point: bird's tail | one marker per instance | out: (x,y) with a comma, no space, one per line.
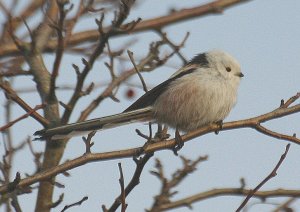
(70,130)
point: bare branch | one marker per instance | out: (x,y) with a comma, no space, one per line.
(167,185)
(75,204)
(57,202)
(130,54)
(151,61)
(271,175)
(175,48)
(60,47)
(123,195)
(88,142)
(285,205)
(21,117)
(104,36)
(15,203)
(188,201)
(153,147)
(214,7)
(290,101)
(135,180)
(10,93)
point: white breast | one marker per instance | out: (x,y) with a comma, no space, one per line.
(195,100)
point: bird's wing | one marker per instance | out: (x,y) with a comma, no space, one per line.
(150,97)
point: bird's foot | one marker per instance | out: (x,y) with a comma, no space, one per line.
(220,125)
(179,142)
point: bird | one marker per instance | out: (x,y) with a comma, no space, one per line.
(202,92)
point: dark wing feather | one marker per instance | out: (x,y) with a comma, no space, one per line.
(150,97)
(200,59)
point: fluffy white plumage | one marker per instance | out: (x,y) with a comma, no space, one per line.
(204,96)
(202,92)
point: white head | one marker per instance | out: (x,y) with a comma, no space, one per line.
(226,65)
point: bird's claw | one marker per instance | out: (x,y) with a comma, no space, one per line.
(220,125)
(179,142)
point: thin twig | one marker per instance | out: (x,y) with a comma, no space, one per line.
(59,50)
(156,23)
(271,175)
(104,36)
(221,192)
(167,185)
(151,148)
(21,117)
(88,141)
(290,101)
(75,204)
(285,205)
(135,180)
(130,54)
(150,60)
(123,195)
(15,203)
(176,48)
(57,202)
(13,95)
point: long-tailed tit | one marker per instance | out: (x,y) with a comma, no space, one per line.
(200,93)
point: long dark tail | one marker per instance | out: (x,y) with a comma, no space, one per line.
(70,130)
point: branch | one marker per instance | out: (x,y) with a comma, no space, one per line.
(175,48)
(21,117)
(285,206)
(135,180)
(10,93)
(43,32)
(123,195)
(215,7)
(103,38)
(88,141)
(167,185)
(60,47)
(15,203)
(187,202)
(75,204)
(163,145)
(271,175)
(130,54)
(29,10)
(151,61)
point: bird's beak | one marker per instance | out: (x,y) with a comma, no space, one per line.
(240,74)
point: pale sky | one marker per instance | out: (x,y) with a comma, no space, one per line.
(264,37)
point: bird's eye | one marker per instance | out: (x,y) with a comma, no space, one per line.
(228,69)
